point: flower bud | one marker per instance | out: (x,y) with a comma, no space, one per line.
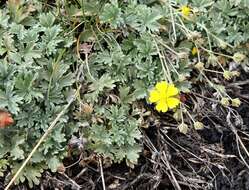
(227,75)
(177,115)
(235,73)
(182,55)
(238,57)
(181,77)
(193,35)
(236,102)
(198,125)
(225,101)
(199,66)
(212,60)
(183,128)
(222,44)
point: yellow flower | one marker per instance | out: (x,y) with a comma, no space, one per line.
(165,96)
(185,10)
(194,51)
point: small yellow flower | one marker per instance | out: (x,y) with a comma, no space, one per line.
(194,51)
(185,10)
(165,96)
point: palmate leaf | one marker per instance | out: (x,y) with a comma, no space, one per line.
(4,18)
(148,18)
(6,73)
(91,7)
(56,71)
(146,45)
(141,89)
(25,86)
(18,30)
(99,135)
(132,155)
(35,77)
(132,132)
(98,86)
(10,100)
(53,163)
(30,53)
(112,14)
(51,40)
(31,173)
(201,3)
(47,19)
(125,96)
(119,140)
(5,146)
(142,18)
(8,43)
(16,151)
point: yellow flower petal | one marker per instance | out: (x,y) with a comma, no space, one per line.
(194,51)
(162,86)
(172,90)
(162,106)
(154,96)
(185,10)
(172,102)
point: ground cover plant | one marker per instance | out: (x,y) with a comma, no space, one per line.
(154,87)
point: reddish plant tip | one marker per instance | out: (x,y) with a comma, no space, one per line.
(5,119)
(183,98)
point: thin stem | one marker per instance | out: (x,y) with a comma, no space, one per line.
(102,173)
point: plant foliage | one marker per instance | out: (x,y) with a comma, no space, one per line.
(120,50)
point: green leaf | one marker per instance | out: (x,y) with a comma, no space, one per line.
(140,90)
(125,96)
(51,39)
(16,151)
(98,86)
(100,135)
(10,100)
(53,163)
(146,45)
(31,172)
(3,166)
(112,14)
(47,19)
(143,18)
(25,86)
(4,18)
(132,154)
